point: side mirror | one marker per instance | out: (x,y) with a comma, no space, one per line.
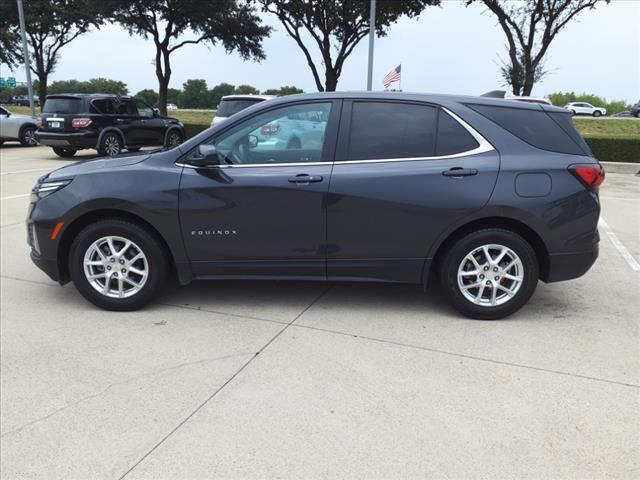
(206,156)
(156,112)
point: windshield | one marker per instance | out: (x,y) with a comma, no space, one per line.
(229,107)
(62,105)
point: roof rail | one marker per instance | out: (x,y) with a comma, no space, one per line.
(494,94)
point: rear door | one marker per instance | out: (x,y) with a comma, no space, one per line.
(403,173)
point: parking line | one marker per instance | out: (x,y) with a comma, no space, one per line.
(626,199)
(15,196)
(633,263)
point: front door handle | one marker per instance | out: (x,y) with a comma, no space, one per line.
(303,178)
(458,172)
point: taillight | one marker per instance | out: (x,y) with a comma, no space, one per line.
(270,129)
(591,175)
(80,122)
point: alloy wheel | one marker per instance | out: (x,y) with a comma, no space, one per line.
(174,139)
(116,267)
(490,275)
(112,145)
(30,137)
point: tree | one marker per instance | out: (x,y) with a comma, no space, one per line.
(530,26)
(149,96)
(337,26)
(246,90)
(10,46)
(50,25)
(283,91)
(194,94)
(228,22)
(95,85)
(172,96)
(220,91)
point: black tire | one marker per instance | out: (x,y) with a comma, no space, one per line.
(111,144)
(457,252)
(573,112)
(133,149)
(27,136)
(597,113)
(64,152)
(145,240)
(174,138)
(637,115)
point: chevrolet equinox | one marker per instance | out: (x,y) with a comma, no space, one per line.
(487,195)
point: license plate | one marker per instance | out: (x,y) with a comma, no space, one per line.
(54,124)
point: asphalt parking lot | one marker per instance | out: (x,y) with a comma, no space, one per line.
(246,380)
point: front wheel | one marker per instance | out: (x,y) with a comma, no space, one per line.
(64,152)
(174,139)
(597,113)
(489,274)
(117,264)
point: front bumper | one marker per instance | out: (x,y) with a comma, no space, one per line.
(63,139)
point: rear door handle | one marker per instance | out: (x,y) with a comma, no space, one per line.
(303,178)
(460,172)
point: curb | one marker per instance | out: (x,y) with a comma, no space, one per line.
(621,167)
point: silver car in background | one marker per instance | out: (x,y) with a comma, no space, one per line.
(14,127)
(231,104)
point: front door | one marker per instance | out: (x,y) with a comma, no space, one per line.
(403,173)
(152,127)
(261,211)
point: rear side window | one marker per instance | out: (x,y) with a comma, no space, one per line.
(104,105)
(391,130)
(532,126)
(62,105)
(452,137)
(229,107)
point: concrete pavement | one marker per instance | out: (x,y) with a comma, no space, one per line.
(275,379)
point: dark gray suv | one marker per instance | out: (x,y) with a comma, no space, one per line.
(486,195)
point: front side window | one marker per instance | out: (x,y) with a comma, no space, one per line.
(144,110)
(286,135)
(3,111)
(381,130)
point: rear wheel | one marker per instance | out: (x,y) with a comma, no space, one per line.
(111,144)
(28,136)
(118,265)
(489,274)
(64,152)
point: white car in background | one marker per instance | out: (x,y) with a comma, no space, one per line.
(230,104)
(172,106)
(14,127)
(583,108)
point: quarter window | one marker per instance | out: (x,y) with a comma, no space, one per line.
(382,130)
(452,137)
(286,135)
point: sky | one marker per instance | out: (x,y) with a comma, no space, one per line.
(449,49)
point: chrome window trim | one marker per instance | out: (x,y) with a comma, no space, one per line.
(483,146)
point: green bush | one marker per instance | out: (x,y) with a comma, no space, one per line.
(614,149)
(192,129)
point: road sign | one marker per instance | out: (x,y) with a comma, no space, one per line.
(11,82)
(2,84)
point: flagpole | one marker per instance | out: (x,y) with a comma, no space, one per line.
(400,76)
(372,33)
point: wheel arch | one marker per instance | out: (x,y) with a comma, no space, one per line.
(25,125)
(517,226)
(107,130)
(170,129)
(79,223)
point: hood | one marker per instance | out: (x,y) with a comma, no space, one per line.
(98,164)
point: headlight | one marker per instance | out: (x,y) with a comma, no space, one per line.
(47,187)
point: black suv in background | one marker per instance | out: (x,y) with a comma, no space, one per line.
(108,123)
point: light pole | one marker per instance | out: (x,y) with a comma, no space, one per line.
(372,34)
(25,52)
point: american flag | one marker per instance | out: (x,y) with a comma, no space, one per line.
(391,77)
